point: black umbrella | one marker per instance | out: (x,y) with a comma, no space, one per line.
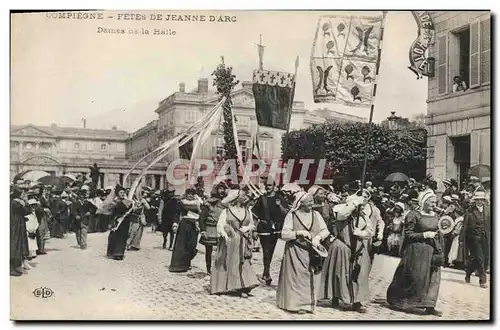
(50,180)
(480,171)
(397,177)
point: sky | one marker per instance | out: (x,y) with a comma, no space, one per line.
(63,70)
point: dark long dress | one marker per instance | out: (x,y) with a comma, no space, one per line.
(18,235)
(117,240)
(417,279)
(185,250)
(170,212)
(186,238)
(60,215)
(339,278)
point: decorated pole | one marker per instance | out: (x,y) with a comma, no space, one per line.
(225,81)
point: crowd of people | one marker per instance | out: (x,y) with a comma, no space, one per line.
(331,237)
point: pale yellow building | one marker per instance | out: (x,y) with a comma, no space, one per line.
(459,121)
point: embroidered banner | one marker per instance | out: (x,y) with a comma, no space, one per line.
(344,58)
(419,61)
(273,92)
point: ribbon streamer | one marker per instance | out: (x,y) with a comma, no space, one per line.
(201,139)
(179,142)
(179,136)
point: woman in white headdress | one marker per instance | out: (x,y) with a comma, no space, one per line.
(346,270)
(417,279)
(232,271)
(299,273)
(31,228)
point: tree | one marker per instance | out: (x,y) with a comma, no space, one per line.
(224,81)
(343,146)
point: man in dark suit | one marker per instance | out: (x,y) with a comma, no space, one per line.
(475,236)
(270,210)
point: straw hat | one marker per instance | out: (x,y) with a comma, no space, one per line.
(479,195)
(474,179)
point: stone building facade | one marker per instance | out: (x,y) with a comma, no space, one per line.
(67,150)
(459,122)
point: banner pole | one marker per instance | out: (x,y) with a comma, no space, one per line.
(285,143)
(372,107)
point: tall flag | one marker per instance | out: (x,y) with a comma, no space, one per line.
(344,58)
(273,93)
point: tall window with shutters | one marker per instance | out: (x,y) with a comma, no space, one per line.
(485,47)
(442,67)
(480,53)
(471,45)
(474,55)
(264,149)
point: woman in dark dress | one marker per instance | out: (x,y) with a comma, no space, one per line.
(19,250)
(417,279)
(210,212)
(169,213)
(186,238)
(117,239)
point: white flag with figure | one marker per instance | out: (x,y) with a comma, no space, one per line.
(344,58)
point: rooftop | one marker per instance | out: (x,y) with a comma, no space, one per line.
(69,132)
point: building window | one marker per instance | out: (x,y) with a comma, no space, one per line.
(218,147)
(472,46)
(264,149)
(462,149)
(190,116)
(103,146)
(245,148)
(77,145)
(464,55)
(243,120)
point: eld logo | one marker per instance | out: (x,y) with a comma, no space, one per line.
(43,293)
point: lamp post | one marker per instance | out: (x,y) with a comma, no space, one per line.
(393,121)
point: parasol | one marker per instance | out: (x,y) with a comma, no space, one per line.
(19,176)
(34,175)
(480,171)
(397,177)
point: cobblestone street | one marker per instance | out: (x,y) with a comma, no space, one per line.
(88,286)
